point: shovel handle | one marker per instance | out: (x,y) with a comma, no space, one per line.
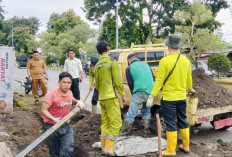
(159,133)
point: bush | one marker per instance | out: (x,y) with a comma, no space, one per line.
(219,62)
(50,59)
(62,59)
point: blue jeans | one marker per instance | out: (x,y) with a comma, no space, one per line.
(61,142)
(75,88)
(137,99)
(174,111)
(94,97)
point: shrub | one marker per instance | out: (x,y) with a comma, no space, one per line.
(219,62)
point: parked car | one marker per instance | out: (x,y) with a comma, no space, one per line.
(22,61)
(205,67)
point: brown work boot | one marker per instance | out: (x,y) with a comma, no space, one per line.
(126,127)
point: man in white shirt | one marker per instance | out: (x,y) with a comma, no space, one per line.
(74,67)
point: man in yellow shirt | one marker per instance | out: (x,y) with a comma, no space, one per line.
(174,86)
(107,82)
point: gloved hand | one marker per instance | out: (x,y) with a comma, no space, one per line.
(191,91)
(150,100)
(56,120)
(80,104)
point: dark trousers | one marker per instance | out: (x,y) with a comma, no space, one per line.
(174,112)
(95,97)
(75,88)
(61,142)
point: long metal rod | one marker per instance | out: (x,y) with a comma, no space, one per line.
(117,25)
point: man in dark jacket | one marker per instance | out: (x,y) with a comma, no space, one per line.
(140,80)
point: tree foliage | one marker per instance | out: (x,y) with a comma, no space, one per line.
(198,40)
(65,31)
(133,13)
(219,62)
(60,23)
(24,30)
(2,11)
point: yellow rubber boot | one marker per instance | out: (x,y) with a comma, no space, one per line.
(171,144)
(103,146)
(109,147)
(185,139)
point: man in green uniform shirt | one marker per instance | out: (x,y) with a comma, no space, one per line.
(107,81)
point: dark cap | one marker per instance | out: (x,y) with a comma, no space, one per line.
(94,60)
(132,55)
(173,41)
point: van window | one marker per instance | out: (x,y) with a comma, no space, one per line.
(141,56)
(114,56)
(154,56)
(152,64)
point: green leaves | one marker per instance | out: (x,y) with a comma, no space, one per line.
(219,62)
(197,39)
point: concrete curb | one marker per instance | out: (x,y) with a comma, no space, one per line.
(54,69)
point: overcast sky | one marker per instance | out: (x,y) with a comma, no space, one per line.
(44,8)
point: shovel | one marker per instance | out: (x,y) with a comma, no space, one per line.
(50,131)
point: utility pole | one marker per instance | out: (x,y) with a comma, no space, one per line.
(117,25)
(12,37)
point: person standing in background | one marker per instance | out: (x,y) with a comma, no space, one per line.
(35,68)
(73,66)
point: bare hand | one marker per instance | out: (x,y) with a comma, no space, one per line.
(91,87)
(80,79)
(124,99)
(30,78)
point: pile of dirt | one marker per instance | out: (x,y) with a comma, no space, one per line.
(209,93)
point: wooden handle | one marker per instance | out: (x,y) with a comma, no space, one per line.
(159,133)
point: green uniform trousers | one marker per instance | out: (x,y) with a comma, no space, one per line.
(111,121)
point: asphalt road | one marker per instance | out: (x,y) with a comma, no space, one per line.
(206,135)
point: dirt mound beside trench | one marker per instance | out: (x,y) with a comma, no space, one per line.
(209,93)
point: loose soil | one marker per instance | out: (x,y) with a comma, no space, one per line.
(26,125)
(209,93)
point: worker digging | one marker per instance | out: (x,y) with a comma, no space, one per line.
(74,131)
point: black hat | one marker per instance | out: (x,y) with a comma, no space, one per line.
(132,55)
(173,41)
(94,60)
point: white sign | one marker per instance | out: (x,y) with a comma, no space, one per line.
(7,56)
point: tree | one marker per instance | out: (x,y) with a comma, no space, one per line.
(2,11)
(90,49)
(159,12)
(219,62)
(81,32)
(198,40)
(108,32)
(60,23)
